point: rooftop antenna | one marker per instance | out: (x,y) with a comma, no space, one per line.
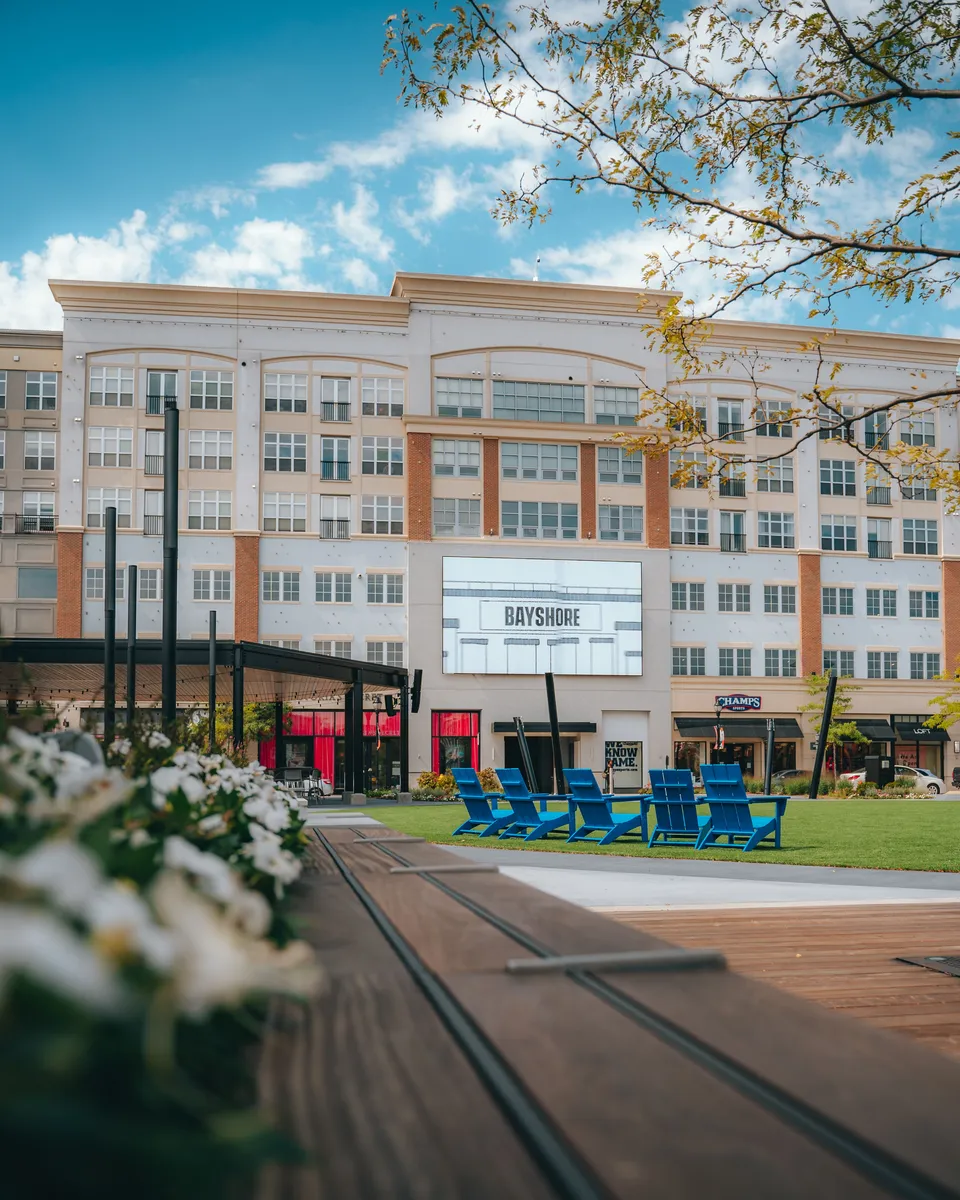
(536,270)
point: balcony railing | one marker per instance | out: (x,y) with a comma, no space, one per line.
(334,529)
(879,441)
(880,549)
(153,464)
(155,405)
(878,495)
(733,487)
(334,411)
(733,543)
(730,430)
(334,470)
(153,526)
(20,523)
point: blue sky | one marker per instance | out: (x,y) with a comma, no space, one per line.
(258,145)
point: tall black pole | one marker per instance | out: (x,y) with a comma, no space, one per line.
(212,682)
(768,771)
(559,782)
(359,782)
(132,584)
(171,473)
(525,756)
(110,626)
(824,730)
(348,755)
(279,745)
(404,738)
(238,697)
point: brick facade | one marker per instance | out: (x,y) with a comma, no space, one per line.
(491,488)
(246,618)
(658,501)
(951,615)
(809,600)
(69,584)
(419,487)
(588,490)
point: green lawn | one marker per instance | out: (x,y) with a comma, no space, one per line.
(916,835)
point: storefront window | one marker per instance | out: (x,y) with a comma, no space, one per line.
(687,756)
(784,756)
(455,738)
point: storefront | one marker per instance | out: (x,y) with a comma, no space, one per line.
(454,740)
(917,745)
(744,743)
(315,742)
(850,756)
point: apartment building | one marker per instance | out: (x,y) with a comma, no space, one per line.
(430,479)
(30,370)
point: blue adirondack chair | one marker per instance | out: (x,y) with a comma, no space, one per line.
(530,819)
(596,811)
(477,801)
(730,815)
(675,806)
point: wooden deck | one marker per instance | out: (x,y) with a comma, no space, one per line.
(842,958)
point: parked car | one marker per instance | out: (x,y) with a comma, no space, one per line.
(956,778)
(790,773)
(920,777)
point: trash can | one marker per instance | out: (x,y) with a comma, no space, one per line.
(879,769)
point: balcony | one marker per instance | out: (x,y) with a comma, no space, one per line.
(334,470)
(156,405)
(877,441)
(733,543)
(153,464)
(334,530)
(731,431)
(880,549)
(331,410)
(733,487)
(29,523)
(878,495)
(153,526)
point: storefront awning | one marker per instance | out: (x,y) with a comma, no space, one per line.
(919,733)
(875,729)
(544,727)
(747,728)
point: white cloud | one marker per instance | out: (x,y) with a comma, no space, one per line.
(291,174)
(356,225)
(263,250)
(359,275)
(125,253)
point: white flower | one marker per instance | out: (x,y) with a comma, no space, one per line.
(275,816)
(121,746)
(168,779)
(157,740)
(64,871)
(140,837)
(269,856)
(212,825)
(214,875)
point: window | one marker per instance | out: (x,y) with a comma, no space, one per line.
(285,452)
(733,597)
(688,414)
(381,397)
(889,602)
(41,392)
(688,469)
(280,586)
(733,478)
(3,448)
(526,460)
(37,583)
(212,585)
(835,422)
(840,661)
(743,662)
(535,519)
(838,477)
(780,662)
(919,536)
(38,512)
(153,514)
(775,475)
(616,465)
(879,537)
(211,389)
(687,596)
(734,662)
(334,587)
(621,523)
(151,583)
(384,589)
(39,451)
(770,422)
(458,397)
(284,393)
(779,598)
(381,514)
(517,401)
(918,429)
(161,387)
(94,583)
(100,499)
(456,458)
(689,527)
(882,664)
(775,530)
(616,405)
(875,430)
(334,648)
(925,604)
(335,457)
(389,654)
(210,449)
(916,487)
(109,447)
(209,510)
(730,419)
(382,456)
(335,399)
(689,660)
(924,666)
(456,518)
(335,517)
(282,643)
(837,602)
(3,389)
(111,387)
(838,533)
(284,512)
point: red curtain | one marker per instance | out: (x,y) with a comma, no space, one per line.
(455,724)
(324,727)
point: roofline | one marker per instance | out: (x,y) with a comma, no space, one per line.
(32,339)
(528,294)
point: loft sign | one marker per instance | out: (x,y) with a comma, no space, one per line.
(739,703)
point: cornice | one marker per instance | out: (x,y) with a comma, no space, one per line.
(838,344)
(527,295)
(235,304)
(31,339)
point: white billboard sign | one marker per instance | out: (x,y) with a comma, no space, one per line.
(510,616)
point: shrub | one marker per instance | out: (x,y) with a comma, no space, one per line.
(754,786)
(864,789)
(843,787)
(427,793)
(433,782)
(799,785)
(382,794)
(427,779)
(490,780)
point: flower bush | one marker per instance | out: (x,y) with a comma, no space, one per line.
(143,926)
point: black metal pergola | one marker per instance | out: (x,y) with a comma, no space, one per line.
(54,671)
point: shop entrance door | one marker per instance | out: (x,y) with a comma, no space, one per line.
(736,752)
(541,751)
